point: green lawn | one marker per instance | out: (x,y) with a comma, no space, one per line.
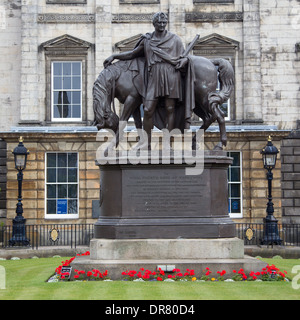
(26,279)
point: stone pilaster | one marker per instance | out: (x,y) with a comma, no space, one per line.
(103,32)
(29,102)
(252,62)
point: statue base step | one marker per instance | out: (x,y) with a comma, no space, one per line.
(117,256)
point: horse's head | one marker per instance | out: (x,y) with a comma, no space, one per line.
(104,117)
(109,121)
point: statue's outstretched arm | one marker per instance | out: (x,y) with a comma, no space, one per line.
(128,55)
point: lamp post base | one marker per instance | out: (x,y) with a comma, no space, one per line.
(19,232)
(271,234)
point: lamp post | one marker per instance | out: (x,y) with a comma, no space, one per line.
(271,235)
(19,234)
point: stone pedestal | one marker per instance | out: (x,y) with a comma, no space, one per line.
(156,215)
(154,201)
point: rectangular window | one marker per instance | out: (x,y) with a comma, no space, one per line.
(62,185)
(66,91)
(235,185)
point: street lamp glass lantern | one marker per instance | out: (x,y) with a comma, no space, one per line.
(269,154)
(20,154)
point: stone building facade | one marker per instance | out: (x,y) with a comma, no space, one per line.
(46,42)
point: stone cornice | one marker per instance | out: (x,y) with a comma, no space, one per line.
(66,2)
(140,18)
(139,1)
(213,16)
(65,18)
(90,134)
(127,17)
(213,1)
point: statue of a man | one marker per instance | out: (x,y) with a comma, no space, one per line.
(163,52)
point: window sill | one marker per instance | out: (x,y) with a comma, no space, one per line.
(61,216)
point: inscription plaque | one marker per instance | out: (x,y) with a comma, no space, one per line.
(160,193)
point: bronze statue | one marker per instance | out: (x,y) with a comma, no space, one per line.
(170,84)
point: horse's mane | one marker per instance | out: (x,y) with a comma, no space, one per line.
(108,76)
(102,90)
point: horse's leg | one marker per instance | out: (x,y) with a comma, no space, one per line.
(137,118)
(131,105)
(221,121)
(223,135)
(206,123)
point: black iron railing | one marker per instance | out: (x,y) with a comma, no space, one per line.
(72,235)
(255,234)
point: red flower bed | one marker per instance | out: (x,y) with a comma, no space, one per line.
(270,273)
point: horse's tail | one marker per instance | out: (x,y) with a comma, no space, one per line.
(226,78)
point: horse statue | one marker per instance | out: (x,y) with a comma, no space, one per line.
(122,80)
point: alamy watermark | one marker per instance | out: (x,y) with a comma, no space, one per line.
(2,278)
(296,278)
(167,147)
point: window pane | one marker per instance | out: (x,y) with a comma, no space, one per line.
(235,174)
(51,191)
(72,207)
(235,206)
(57,111)
(51,160)
(62,191)
(236,159)
(235,190)
(51,206)
(57,83)
(76,111)
(76,97)
(65,98)
(72,175)
(51,175)
(72,191)
(62,175)
(67,83)
(76,83)
(56,97)
(67,111)
(72,160)
(62,159)
(67,68)
(76,68)
(57,68)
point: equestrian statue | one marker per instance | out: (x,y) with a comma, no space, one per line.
(170,84)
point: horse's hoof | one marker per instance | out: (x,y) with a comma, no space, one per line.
(219,146)
(224,143)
